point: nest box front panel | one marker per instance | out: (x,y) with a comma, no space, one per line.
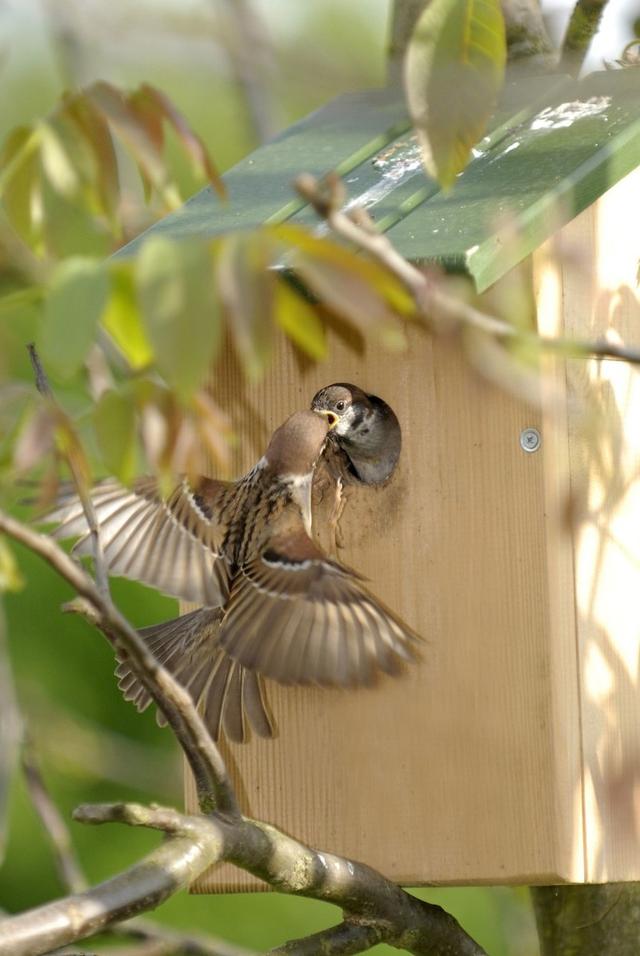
(442,774)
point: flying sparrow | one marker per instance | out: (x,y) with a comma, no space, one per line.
(367,433)
(274,604)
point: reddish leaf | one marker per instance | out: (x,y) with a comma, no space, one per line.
(150,116)
(155,103)
(134,133)
(36,439)
(92,126)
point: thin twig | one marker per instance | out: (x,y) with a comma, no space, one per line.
(75,460)
(341,940)
(212,780)
(252,60)
(434,306)
(67,864)
(170,941)
(11,730)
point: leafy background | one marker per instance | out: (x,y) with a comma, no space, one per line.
(93,745)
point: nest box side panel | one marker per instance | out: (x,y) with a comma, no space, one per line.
(598,258)
(448,774)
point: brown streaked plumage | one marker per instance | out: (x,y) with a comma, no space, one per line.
(274,604)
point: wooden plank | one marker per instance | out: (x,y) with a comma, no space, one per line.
(599,280)
(565,736)
(450,774)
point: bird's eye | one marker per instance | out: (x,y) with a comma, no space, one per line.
(340,406)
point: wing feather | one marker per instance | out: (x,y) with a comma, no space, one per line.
(174,545)
(296,616)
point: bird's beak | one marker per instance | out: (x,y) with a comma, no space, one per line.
(331,417)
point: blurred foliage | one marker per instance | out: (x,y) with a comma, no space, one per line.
(75,172)
(454,73)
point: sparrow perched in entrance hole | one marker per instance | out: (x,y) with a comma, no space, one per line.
(274,604)
(367,432)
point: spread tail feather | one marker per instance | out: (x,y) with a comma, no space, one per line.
(227,695)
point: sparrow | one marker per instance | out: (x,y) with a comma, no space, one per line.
(366,437)
(274,605)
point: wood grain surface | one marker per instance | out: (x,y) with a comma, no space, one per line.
(511,752)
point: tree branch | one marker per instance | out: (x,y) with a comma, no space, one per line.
(342,940)
(435,307)
(581,29)
(366,897)
(252,59)
(376,910)
(212,780)
(193,845)
(67,864)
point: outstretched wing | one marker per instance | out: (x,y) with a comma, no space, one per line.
(172,545)
(298,617)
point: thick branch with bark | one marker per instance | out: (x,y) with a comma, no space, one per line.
(376,910)
(590,920)
(191,848)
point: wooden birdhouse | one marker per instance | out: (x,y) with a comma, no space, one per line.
(509,535)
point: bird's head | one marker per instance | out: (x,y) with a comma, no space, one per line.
(347,403)
(296,445)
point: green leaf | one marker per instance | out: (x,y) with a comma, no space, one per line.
(114,419)
(58,158)
(122,319)
(77,296)
(454,71)
(354,288)
(10,577)
(300,321)
(179,308)
(68,227)
(246,288)
(19,169)
(340,258)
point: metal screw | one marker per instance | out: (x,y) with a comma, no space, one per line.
(530,439)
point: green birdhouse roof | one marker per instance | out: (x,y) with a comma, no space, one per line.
(553,147)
